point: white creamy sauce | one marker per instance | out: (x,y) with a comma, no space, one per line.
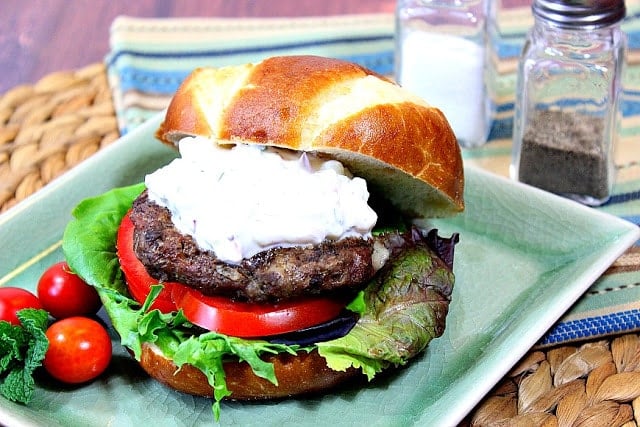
(242,200)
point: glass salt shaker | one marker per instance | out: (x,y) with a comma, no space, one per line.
(440,56)
(567,114)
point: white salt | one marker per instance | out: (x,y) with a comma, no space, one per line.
(448,72)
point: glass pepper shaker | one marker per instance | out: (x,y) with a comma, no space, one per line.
(567,113)
(440,56)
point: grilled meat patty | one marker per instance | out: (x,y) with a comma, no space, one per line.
(272,275)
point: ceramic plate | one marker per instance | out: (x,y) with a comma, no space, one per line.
(524,257)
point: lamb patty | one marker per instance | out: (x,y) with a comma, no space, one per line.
(272,275)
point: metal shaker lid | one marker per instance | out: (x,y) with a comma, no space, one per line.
(580,13)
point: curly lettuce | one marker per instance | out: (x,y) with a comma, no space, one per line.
(405,308)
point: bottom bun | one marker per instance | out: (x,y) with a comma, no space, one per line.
(301,374)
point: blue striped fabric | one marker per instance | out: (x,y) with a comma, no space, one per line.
(249,49)
(149,58)
(610,324)
(166,82)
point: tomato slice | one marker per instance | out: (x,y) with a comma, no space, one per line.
(220,314)
(250,320)
(138,280)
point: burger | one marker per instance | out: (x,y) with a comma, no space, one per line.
(284,251)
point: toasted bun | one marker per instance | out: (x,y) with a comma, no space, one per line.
(301,374)
(402,146)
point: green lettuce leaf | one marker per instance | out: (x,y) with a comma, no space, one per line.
(405,308)
(172,334)
(89,241)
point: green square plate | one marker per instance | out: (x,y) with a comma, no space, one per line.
(524,257)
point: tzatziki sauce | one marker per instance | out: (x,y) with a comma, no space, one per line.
(243,199)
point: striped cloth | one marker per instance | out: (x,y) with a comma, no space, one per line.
(150,57)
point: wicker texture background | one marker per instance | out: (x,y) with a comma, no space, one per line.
(592,384)
(48,127)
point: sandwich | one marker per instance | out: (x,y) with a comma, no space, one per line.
(285,251)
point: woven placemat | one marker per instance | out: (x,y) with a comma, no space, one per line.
(48,127)
(592,384)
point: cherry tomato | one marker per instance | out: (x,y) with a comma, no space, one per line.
(136,276)
(248,320)
(14,299)
(64,294)
(79,350)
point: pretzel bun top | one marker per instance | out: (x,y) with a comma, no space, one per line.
(402,146)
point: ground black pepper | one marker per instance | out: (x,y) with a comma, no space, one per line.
(563,152)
